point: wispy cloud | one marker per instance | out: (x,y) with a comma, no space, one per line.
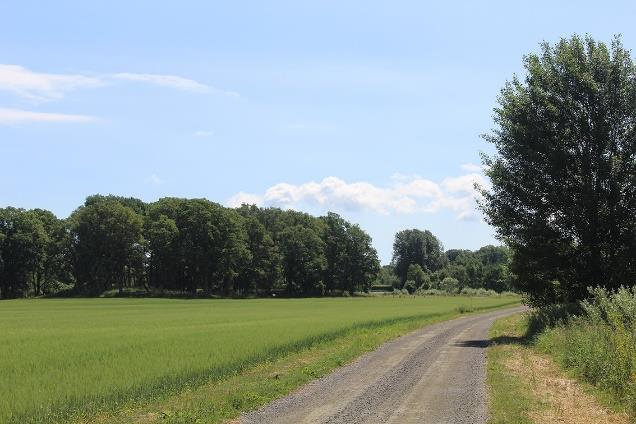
(404,195)
(154,179)
(18,116)
(203,133)
(41,87)
(172,81)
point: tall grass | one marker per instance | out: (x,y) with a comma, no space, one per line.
(63,358)
(597,340)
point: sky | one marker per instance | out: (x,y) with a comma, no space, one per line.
(371,109)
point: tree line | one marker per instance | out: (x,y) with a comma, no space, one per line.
(420,263)
(198,247)
(181,245)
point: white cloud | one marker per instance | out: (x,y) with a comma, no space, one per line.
(202,133)
(241,198)
(17,116)
(464,183)
(154,179)
(41,87)
(404,195)
(172,81)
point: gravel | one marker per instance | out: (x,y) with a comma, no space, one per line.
(433,375)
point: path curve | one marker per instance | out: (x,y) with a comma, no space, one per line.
(436,374)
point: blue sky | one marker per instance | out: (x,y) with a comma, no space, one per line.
(370,109)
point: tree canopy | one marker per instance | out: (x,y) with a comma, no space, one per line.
(181,245)
(563,194)
(417,247)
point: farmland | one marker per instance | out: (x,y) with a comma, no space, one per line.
(69,357)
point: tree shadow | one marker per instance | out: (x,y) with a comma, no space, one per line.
(481,343)
(511,340)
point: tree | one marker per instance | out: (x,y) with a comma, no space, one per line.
(416,274)
(52,264)
(450,285)
(106,240)
(197,243)
(563,193)
(417,247)
(264,270)
(386,277)
(303,260)
(162,233)
(24,242)
(362,260)
(336,251)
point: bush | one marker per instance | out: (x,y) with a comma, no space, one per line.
(410,286)
(418,276)
(463,309)
(596,339)
(467,291)
(450,285)
(431,292)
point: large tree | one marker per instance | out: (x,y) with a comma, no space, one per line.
(195,244)
(303,260)
(563,193)
(107,241)
(24,243)
(417,247)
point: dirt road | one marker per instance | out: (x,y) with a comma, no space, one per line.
(433,375)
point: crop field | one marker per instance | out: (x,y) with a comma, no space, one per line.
(65,358)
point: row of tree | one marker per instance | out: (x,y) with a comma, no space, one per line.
(184,245)
(420,262)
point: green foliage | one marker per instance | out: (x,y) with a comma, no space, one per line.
(450,285)
(303,259)
(418,277)
(386,278)
(107,245)
(416,247)
(416,252)
(32,254)
(599,342)
(410,286)
(563,180)
(188,246)
(64,358)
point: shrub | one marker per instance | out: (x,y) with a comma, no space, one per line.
(410,286)
(450,285)
(597,339)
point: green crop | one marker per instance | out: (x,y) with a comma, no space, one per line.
(65,358)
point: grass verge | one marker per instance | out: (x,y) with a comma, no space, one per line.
(224,399)
(527,386)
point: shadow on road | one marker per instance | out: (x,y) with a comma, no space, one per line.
(501,340)
(484,343)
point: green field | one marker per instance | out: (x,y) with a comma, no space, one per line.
(62,359)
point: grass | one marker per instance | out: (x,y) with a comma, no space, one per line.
(528,383)
(510,398)
(74,359)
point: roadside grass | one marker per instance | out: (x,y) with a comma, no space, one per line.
(78,360)
(528,384)
(510,398)
(598,344)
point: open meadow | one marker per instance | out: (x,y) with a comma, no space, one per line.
(62,359)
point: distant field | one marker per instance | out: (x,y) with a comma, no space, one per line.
(64,358)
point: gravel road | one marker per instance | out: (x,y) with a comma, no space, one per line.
(433,375)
